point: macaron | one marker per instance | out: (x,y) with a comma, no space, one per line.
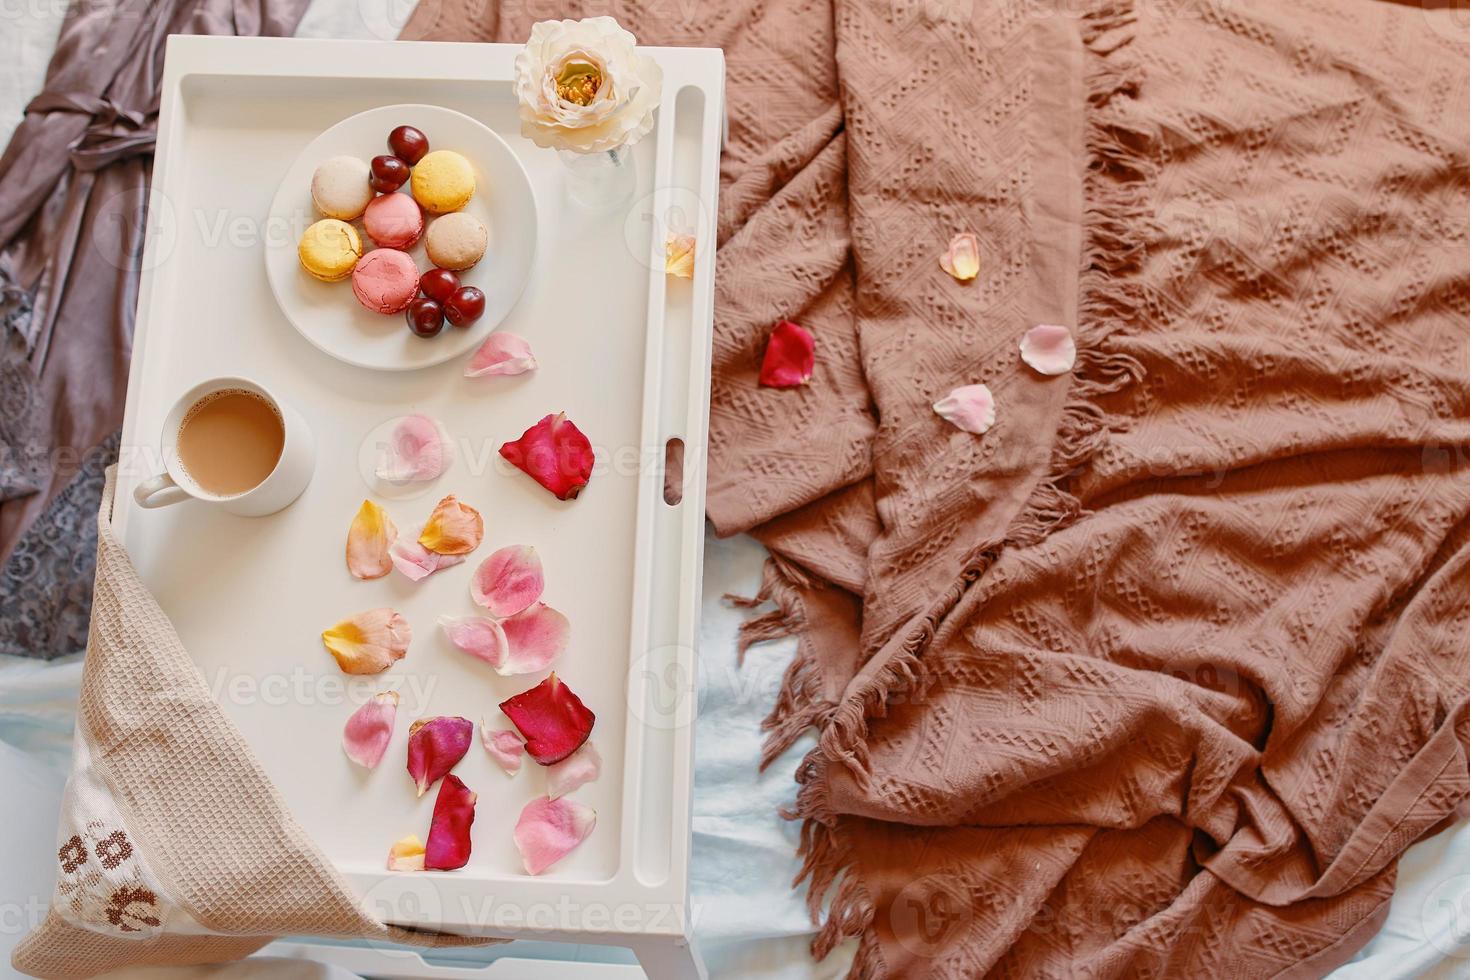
(393,221)
(385,280)
(329,249)
(443,181)
(340,189)
(456,241)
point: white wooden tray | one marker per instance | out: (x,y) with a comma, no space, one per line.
(624,350)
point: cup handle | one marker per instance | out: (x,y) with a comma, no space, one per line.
(159,491)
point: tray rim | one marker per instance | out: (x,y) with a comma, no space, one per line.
(190,56)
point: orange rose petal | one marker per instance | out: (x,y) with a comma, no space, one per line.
(962,260)
(453,529)
(407,854)
(368,539)
(370,642)
(679,255)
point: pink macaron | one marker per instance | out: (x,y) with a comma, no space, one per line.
(385,280)
(393,221)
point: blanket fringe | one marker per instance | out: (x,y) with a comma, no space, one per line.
(778,581)
(827,859)
(1117,221)
(800,703)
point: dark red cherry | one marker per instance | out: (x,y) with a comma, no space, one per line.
(465,306)
(425,317)
(408,144)
(389,173)
(438,284)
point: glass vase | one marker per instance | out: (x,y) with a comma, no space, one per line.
(599,180)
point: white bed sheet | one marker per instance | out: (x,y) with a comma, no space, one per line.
(747,918)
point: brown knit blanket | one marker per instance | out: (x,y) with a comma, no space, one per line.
(1159,676)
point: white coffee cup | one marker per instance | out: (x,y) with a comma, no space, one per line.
(283,484)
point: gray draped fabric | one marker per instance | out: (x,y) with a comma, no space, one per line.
(73,195)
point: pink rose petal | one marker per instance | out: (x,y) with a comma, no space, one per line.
(971,408)
(790,357)
(506,747)
(478,637)
(501,354)
(549,830)
(533,638)
(417,450)
(1049,349)
(416,561)
(577,769)
(367,734)
(508,581)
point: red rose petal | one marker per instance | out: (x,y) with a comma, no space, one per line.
(553,720)
(789,357)
(435,745)
(449,831)
(555,454)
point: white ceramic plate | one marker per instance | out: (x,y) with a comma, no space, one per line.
(328,315)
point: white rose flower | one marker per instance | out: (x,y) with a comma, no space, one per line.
(584,86)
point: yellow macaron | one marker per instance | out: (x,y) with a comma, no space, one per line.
(329,250)
(443,181)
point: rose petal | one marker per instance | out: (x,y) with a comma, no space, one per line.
(553,720)
(370,728)
(555,454)
(502,354)
(435,746)
(505,746)
(453,528)
(549,830)
(508,581)
(449,830)
(679,256)
(368,541)
(1049,349)
(962,259)
(416,561)
(577,769)
(790,357)
(407,854)
(971,408)
(477,636)
(417,450)
(370,642)
(534,638)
